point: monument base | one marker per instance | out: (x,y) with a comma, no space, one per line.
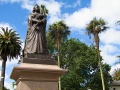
(38,59)
(36,76)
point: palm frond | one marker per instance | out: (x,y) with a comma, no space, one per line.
(44,10)
(10,43)
(96,25)
(58,31)
(116,74)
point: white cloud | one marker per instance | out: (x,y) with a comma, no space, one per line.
(98,8)
(54,8)
(8,85)
(108,48)
(27,4)
(53,19)
(77,3)
(79,18)
(74,5)
(23,44)
(111,36)
(6,76)
(107,9)
(11,1)
(109,58)
(12,62)
(0,62)
(52,5)
(8,82)
(111,13)
(114,67)
(4,25)
(109,53)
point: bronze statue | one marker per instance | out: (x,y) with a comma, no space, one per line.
(35,38)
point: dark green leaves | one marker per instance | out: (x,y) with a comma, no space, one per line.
(58,31)
(96,26)
(43,10)
(10,43)
(116,74)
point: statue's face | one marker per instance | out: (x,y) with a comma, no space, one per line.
(36,8)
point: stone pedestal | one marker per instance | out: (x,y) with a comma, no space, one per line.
(36,76)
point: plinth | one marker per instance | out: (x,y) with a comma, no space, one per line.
(37,76)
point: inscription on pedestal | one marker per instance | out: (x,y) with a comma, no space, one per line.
(40,56)
(38,59)
(38,88)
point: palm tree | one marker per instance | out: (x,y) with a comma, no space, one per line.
(118,62)
(58,32)
(95,27)
(118,22)
(43,10)
(116,75)
(10,47)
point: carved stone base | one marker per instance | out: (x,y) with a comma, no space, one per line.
(36,76)
(35,55)
(38,59)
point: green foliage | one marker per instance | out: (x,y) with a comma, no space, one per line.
(4,88)
(44,10)
(82,64)
(116,75)
(58,32)
(50,44)
(96,26)
(10,44)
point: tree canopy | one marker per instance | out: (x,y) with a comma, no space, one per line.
(116,74)
(82,64)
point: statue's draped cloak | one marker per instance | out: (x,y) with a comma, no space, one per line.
(35,38)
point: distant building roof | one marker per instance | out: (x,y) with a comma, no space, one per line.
(115,83)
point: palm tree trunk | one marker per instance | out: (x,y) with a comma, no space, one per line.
(99,60)
(101,72)
(3,73)
(58,55)
(59,82)
(59,66)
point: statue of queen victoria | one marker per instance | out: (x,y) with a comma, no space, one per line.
(36,39)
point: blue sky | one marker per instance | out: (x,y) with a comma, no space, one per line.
(76,13)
